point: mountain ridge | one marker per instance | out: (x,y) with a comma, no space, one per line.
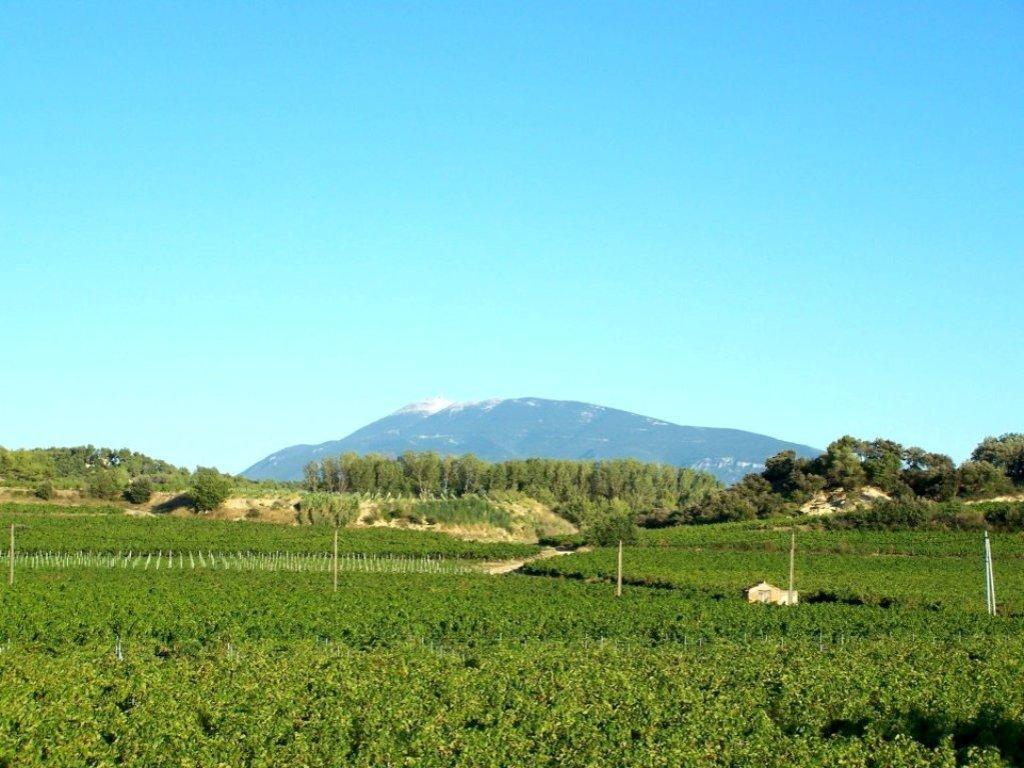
(517,428)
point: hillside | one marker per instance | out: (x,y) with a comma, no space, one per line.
(497,430)
(73,466)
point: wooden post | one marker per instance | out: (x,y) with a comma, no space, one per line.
(334,563)
(10,574)
(792,558)
(618,578)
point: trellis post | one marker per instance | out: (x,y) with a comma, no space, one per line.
(618,575)
(990,582)
(792,558)
(334,561)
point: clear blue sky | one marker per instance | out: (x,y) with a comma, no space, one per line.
(227,228)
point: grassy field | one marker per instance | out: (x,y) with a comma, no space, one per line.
(200,667)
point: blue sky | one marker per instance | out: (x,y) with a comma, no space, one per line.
(227,228)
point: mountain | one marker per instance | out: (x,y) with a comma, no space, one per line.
(496,430)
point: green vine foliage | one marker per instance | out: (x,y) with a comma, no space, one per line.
(895,665)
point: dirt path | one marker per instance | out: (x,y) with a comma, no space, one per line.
(498,567)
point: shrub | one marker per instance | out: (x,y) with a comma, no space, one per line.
(575,510)
(139,490)
(981,479)
(916,515)
(468,510)
(44,490)
(661,518)
(401,510)
(106,484)
(565,541)
(209,490)
(885,515)
(1007,516)
(334,508)
(610,525)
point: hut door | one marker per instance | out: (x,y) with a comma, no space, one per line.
(764,595)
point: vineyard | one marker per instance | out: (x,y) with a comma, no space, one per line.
(54,529)
(235,650)
(234,561)
(898,581)
(766,537)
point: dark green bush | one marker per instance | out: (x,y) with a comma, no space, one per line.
(611,524)
(139,490)
(904,515)
(1003,515)
(107,484)
(565,541)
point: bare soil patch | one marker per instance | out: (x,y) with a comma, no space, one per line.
(501,567)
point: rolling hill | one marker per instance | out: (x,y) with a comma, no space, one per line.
(497,430)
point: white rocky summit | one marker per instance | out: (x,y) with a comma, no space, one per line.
(430,406)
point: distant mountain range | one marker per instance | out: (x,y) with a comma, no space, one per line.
(496,430)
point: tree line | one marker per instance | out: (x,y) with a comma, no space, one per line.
(111,475)
(572,488)
(996,467)
(75,466)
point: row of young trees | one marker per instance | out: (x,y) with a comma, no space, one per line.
(996,467)
(570,486)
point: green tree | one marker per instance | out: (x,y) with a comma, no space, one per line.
(981,479)
(1005,452)
(387,476)
(470,474)
(331,478)
(841,465)
(930,475)
(752,497)
(210,489)
(883,462)
(424,471)
(653,490)
(789,476)
(359,471)
(311,476)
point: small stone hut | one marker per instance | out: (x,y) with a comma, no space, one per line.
(763,592)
